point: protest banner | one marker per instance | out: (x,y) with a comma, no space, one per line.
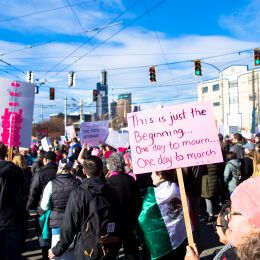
(118,139)
(46,144)
(174,137)
(16,112)
(70,132)
(93,133)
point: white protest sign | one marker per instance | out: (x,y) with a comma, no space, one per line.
(46,144)
(93,133)
(70,132)
(16,112)
(173,137)
(62,140)
(118,139)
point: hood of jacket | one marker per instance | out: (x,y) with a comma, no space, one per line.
(6,167)
(234,162)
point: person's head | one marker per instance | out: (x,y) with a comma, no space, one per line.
(3,151)
(250,248)
(231,156)
(48,157)
(244,217)
(160,176)
(116,163)
(222,223)
(74,139)
(92,166)
(249,148)
(20,161)
(64,167)
(257,137)
(237,137)
(220,137)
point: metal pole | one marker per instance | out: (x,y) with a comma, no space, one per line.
(65,115)
(222,99)
(81,111)
(254,107)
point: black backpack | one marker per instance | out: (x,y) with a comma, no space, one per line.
(100,231)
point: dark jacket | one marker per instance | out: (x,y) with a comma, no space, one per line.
(77,211)
(129,198)
(37,164)
(40,180)
(211,182)
(248,167)
(12,195)
(62,185)
(238,149)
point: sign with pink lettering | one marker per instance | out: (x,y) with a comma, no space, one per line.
(16,112)
(173,137)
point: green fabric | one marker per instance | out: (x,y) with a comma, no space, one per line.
(155,232)
(44,223)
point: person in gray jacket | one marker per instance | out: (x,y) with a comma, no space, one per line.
(232,172)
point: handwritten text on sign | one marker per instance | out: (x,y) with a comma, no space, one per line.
(173,137)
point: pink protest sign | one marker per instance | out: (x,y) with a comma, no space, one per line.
(16,112)
(173,137)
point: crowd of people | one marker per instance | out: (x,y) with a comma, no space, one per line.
(89,204)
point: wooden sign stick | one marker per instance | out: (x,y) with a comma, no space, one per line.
(10,154)
(185,208)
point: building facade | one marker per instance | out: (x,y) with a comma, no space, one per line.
(234,97)
(124,106)
(102,102)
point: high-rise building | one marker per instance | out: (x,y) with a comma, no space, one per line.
(235,98)
(102,102)
(113,107)
(124,106)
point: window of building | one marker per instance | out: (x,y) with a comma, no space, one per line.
(233,100)
(215,87)
(216,104)
(233,83)
(205,90)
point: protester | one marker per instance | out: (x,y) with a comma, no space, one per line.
(12,207)
(232,172)
(38,163)
(78,210)
(237,147)
(248,160)
(55,197)
(244,217)
(256,160)
(40,180)
(129,201)
(162,220)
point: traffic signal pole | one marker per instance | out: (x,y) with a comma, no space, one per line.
(65,114)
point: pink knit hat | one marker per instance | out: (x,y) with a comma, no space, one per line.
(246,200)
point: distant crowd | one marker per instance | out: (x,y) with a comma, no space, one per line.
(88,203)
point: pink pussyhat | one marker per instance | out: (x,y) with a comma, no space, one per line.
(246,200)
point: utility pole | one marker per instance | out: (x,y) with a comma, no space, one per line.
(65,114)
(81,111)
(253,103)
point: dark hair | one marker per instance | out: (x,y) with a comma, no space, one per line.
(238,137)
(168,175)
(257,135)
(231,155)
(220,137)
(93,166)
(223,216)
(3,150)
(75,139)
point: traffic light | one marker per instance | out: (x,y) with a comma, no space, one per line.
(29,77)
(36,89)
(95,94)
(197,68)
(104,77)
(52,93)
(257,57)
(152,72)
(71,79)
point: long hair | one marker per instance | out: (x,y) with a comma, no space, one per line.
(19,160)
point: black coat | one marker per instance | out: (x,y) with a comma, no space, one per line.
(12,195)
(40,180)
(77,211)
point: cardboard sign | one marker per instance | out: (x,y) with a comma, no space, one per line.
(70,132)
(93,133)
(173,137)
(118,139)
(16,112)
(46,144)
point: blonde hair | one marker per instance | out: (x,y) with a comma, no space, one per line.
(19,160)
(250,249)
